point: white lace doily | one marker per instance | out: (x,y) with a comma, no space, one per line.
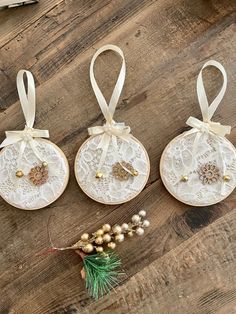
(109,190)
(178,159)
(20,192)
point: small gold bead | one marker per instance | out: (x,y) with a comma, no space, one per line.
(19,174)
(184,178)
(99,175)
(226,178)
(106,238)
(111,245)
(44,164)
(88,248)
(99,240)
(99,249)
(84,237)
(100,232)
(106,228)
(135,173)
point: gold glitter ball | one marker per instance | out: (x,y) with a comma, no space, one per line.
(226,178)
(111,245)
(99,249)
(99,232)
(88,248)
(99,240)
(107,238)
(209,173)
(84,237)
(19,174)
(38,175)
(184,178)
(123,170)
(106,228)
(99,175)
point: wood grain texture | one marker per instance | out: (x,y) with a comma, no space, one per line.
(185,263)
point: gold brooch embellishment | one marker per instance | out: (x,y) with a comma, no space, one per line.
(122,171)
(39,174)
(209,173)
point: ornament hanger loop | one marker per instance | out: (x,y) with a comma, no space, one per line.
(28,105)
(208,110)
(108,110)
(110,130)
(27,99)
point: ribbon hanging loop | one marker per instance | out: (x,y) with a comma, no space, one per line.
(28,104)
(27,100)
(108,110)
(206,125)
(111,129)
(208,110)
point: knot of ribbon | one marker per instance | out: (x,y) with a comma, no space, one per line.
(28,104)
(207,110)
(111,130)
(27,135)
(208,126)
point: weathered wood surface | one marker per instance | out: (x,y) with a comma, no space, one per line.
(186,261)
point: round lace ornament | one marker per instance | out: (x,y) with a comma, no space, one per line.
(178,160)
(198,167)
(22,192)
(108,189)
(111,167)
(34,172)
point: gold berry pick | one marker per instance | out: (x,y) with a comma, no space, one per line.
(101,263)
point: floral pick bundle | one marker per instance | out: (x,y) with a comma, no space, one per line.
(102,265)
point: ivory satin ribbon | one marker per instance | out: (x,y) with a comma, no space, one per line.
(111,130)
(208,110)
(28,104)
(207,126)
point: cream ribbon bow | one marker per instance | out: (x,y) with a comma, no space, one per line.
(111,129)
(208,110)
(28,105)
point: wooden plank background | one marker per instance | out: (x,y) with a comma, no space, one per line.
(186,261)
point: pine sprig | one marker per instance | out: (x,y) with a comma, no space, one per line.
(102,271)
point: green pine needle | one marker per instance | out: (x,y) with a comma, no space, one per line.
(102,271)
